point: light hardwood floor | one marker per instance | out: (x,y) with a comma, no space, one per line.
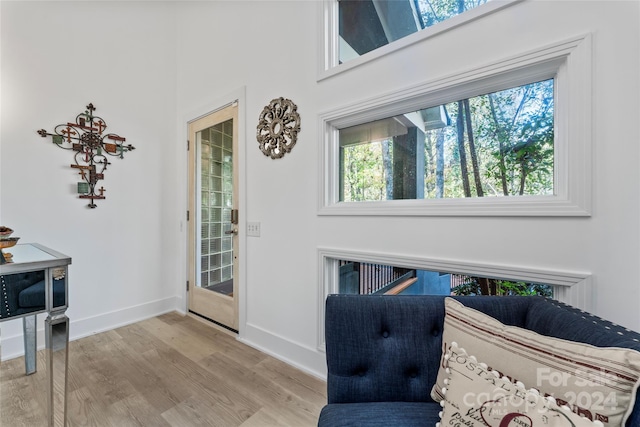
(170,370)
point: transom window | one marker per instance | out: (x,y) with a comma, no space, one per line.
(365,278)
(496,144)
(366,25)
(357,31)
(365,273)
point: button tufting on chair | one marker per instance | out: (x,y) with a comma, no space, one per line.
(11,287)
(385,334)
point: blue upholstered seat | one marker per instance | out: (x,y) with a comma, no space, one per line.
(383,352)
(34,296)
(23,293)
(380,414)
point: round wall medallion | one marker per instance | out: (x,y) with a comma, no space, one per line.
(278,128)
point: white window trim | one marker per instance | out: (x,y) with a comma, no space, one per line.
(569,62)
(328,61)
(571,287)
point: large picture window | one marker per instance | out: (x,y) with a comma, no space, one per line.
(509,138)
(496,144)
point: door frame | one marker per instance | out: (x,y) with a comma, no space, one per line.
(239,95)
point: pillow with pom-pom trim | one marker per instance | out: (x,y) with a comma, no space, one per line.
(598,382)
(475,395)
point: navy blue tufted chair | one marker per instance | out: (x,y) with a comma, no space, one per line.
(24,293)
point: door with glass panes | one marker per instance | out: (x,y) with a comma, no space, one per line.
(213,217)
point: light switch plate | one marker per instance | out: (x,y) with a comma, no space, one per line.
(253,229)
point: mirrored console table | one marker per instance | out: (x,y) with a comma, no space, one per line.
(35,280)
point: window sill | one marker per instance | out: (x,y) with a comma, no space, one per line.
(480,206)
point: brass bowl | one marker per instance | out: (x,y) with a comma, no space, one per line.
(8,242)
(5,231)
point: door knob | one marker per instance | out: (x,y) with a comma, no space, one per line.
(232,231)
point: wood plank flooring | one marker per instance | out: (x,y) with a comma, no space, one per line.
(169,370)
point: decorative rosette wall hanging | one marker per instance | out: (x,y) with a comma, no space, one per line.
(278,128)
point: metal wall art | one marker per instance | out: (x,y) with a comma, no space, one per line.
(278,128)
(92,145)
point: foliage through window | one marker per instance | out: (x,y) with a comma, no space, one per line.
(497,144)
(365,25)
(472,285)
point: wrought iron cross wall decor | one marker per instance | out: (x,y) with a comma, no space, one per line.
(91,145)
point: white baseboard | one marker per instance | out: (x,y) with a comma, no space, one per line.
(305,358)
(13,345)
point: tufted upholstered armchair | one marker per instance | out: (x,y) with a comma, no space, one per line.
(24,293)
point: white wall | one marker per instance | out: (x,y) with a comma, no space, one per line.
(56,58)
(270,48)
(206,50)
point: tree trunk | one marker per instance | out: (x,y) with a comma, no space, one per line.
(388,171)
(463,155)
(472,149)
(523,179)
(440,163)
(487,286)
(429,164)
(460,6)
(501,150)
(484,285)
